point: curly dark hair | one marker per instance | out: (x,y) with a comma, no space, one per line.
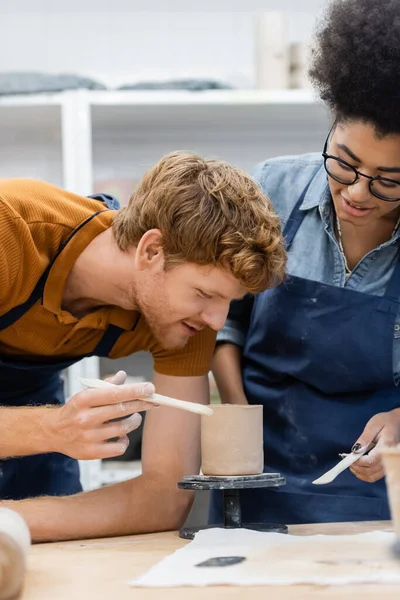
(355,62)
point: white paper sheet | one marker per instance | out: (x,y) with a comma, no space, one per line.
(278,559)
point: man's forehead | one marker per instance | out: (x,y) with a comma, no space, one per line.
(219,281)
(232,292)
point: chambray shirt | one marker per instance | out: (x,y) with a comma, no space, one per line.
(315,253)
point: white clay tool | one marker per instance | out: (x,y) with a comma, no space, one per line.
(344,464)
(193,407)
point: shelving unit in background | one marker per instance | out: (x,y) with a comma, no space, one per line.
(74,138)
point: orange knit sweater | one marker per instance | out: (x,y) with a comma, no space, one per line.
(35,219)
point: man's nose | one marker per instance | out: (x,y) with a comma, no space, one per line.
(215,318)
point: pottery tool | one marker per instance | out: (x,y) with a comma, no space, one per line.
(232,459)
(231,504)
(344,464)
(193,407)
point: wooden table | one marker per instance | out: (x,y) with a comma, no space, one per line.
(100,569)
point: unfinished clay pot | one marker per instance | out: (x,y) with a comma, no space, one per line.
(391,465)
(232,440)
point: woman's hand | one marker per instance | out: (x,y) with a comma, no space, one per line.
(382,430)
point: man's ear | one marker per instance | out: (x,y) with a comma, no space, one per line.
(149,251)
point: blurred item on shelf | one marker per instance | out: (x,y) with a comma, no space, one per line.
(279,64)
(43,83)
(191,85)
(299,55)
(271,51)
(121,188)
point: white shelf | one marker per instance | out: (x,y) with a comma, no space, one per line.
(32,100)
(123,114)
(208,97)
(167,97)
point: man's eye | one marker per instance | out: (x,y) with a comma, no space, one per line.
(204,295)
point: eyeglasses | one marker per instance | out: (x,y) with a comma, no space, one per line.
(342,172)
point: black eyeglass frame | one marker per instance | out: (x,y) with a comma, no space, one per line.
(357,173)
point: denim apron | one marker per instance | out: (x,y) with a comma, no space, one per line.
(24,383)
(319,359)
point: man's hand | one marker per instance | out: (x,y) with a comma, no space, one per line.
(144,504)
(382,430)
(83,427)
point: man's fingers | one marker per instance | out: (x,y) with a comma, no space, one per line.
(102,414)
(93,397)
(108,449)
(118,378)
(118,429)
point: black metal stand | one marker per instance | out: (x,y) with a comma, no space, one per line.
(232,510)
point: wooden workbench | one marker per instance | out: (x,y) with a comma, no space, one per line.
(100,569)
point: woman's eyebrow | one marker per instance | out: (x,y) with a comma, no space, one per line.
(354,157)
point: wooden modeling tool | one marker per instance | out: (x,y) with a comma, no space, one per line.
(344,464)
(193,407)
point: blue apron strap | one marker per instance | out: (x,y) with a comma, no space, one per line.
(112,332)
(111,202)
(108,340)
(294,221)
(393,288)
(18,311)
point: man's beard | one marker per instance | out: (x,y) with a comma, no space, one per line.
(165,336)
(163,333)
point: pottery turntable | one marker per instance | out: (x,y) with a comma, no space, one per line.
(232,460)
(231,504)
